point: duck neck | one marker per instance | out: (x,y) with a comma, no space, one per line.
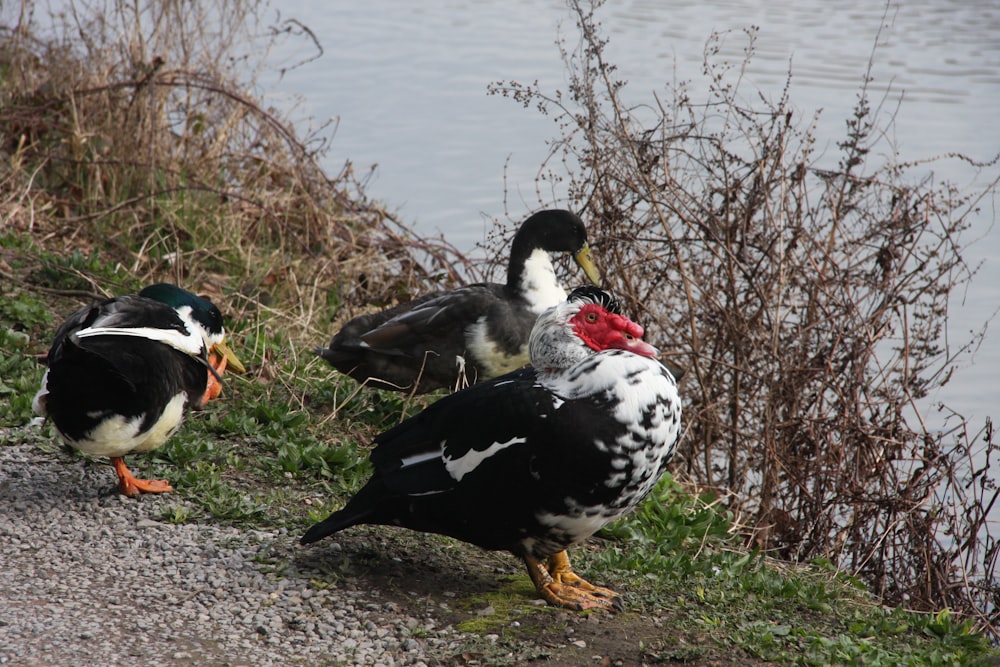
(553,346)
(532,277)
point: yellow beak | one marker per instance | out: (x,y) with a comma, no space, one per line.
(232,361)
(584,261)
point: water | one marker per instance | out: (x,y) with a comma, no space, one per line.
(408,83)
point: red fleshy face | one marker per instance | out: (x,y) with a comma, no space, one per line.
(601,330)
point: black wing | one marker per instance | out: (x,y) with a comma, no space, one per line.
(427,323)
(424,338)
(431,451)
(413,485)
(92,377)
(124,312)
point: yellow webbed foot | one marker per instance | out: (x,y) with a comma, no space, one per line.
(556,582)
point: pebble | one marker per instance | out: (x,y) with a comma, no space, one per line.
(88,577)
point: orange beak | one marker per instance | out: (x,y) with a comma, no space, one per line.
(220,357)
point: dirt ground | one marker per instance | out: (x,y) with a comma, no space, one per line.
(462,584)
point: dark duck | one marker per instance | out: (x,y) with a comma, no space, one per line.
(123,372)
(447,340)
(538,460)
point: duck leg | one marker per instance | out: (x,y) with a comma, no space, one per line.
(556,582)
(132,486)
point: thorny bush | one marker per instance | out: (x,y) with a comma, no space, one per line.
(807,307)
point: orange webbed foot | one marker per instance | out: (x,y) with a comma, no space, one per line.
(556,582)
(132,486)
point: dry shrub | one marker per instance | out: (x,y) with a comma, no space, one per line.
(130,130)
(807,307)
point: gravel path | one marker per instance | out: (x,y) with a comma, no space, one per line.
(89,577)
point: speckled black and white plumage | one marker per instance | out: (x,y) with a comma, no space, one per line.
(534,461)
(448,340)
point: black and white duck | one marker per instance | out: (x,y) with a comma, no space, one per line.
(122,373)
(538,460)
(447,340)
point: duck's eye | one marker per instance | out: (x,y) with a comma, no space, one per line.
(591,317)
(629,336)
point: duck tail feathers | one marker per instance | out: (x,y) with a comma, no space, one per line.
(339,520)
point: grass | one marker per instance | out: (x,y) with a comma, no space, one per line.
(261,458)
(679,551)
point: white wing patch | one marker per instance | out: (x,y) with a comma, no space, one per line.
(462,466)
(186,343)
(422,457)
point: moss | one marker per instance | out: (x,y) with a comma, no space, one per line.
(495,611)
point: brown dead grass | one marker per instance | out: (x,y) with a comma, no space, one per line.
(134,136)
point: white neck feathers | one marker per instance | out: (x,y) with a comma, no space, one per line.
(538,282)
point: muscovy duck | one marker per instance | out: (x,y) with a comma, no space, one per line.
(447,340)
(538,460)
(123,372)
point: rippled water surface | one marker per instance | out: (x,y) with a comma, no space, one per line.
(408,80)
